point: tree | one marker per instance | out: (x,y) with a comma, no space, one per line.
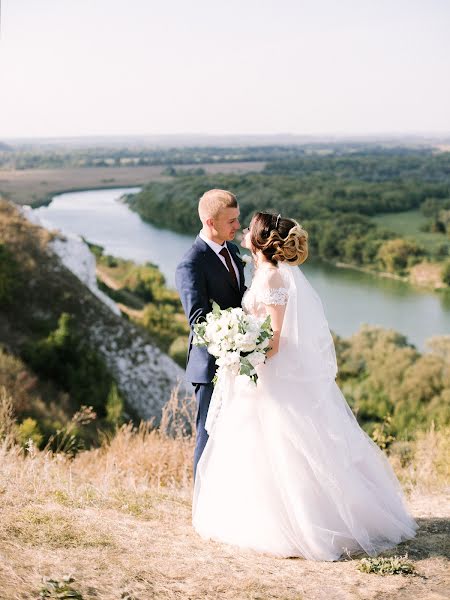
(65,358)
(397,254)
(445,273)
(8,275)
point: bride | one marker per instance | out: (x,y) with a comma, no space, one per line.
(287,470)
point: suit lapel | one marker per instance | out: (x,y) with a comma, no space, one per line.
(209,252)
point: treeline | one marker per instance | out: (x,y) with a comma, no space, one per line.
(393,389)
(370,166)
(55,157)
(123,156)
(438,211)
(333,197)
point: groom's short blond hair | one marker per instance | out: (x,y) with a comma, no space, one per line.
(213,201)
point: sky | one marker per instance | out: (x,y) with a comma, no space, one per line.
(143,67)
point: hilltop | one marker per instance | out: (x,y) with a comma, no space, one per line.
(118,521)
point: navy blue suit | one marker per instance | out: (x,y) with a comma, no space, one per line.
(201,277)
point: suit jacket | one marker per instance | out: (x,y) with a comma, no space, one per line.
(201,277)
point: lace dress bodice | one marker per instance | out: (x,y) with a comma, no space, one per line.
(265,289)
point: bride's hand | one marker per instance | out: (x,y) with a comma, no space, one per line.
(272,351)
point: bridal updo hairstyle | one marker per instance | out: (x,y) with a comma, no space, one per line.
(285,241)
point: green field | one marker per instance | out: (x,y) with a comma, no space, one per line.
(408,224)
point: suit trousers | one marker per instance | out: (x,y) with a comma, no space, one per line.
(203,393)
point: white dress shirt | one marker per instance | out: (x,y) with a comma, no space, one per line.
(217,248)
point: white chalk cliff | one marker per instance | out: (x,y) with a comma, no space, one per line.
(144,374)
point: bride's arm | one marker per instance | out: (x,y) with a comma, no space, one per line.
(274,297)
(276,312)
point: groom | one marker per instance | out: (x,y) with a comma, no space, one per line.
(210,270)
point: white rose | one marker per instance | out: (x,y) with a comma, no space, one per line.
(227,343)
(231,361)
(248,341)
(255,358)
(214,349)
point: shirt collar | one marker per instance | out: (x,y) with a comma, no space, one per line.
(213,245)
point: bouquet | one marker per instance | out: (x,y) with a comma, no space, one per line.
(238,341)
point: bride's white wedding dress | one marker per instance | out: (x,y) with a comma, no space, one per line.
(287,470)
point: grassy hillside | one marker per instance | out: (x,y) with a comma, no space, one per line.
(414,226)
(410,224)
(115,522)
(141,293)
(69,346)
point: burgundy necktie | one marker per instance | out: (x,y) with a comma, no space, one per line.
(224,252)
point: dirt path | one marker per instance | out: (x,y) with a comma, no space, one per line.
(150,550)
(107,280)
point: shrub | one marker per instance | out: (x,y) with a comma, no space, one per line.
(162,321)
(381,433)
(65,358)
(178,350)
(381,374)
(55,588)
(9,274)
(114,406)
(398,254)
(392,565)
(29,430)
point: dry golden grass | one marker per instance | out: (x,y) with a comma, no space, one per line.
(423,466)
(118,519)
(26,241)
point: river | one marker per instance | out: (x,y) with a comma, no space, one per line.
(350,297)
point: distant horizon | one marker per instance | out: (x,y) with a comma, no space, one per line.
(294,137)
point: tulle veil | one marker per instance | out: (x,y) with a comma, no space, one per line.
(305,336)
